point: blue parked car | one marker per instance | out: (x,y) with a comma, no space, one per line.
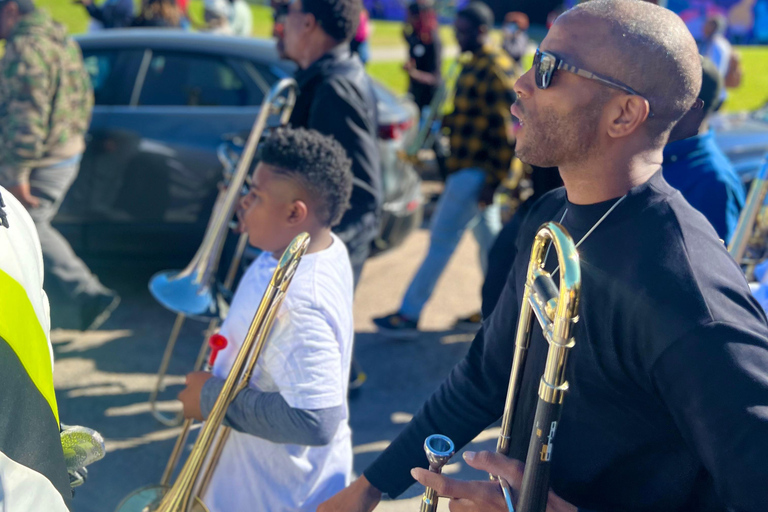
(165,101)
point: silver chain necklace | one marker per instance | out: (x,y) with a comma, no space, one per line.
(594,226)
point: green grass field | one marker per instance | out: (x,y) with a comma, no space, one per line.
(387,34)
(753,92)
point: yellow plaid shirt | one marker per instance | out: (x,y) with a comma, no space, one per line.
(480,125)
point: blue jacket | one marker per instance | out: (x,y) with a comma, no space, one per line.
(702,173)
(113,13)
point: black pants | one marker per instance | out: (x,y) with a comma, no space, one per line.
(358,237)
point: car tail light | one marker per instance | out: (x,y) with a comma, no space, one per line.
(394,131)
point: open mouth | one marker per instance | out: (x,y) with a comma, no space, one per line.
(515,111)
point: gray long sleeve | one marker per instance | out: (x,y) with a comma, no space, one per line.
(268,416)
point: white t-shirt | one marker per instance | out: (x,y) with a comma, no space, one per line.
(306,359)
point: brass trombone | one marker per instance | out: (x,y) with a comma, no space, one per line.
(747,234)
(556,309)
(192,292)
(182,496)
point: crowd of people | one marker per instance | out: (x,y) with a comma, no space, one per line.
(669,372)
(227,17)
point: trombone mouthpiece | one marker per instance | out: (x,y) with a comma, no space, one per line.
(439,450)
(217,343)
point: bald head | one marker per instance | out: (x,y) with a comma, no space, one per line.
(646,47)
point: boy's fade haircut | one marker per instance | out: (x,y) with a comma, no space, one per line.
(317,162)
(339,18)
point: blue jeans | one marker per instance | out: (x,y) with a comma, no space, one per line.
(457,209)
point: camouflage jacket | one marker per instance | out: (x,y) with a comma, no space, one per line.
(46,98)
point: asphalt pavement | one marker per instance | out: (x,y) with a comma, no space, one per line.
(103,377)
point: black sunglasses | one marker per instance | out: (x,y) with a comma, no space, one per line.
(546,63)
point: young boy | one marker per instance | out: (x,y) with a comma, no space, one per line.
(291,445)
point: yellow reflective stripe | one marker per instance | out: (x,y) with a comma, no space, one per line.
(21,329)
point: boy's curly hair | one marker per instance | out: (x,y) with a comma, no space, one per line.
(318,162)
(339,18)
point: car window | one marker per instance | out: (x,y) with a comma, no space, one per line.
(110,76)
(261,76)
(182,79)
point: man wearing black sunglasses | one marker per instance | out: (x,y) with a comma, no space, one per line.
(668,376)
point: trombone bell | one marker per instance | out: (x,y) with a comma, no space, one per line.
(147,499)
(184,294)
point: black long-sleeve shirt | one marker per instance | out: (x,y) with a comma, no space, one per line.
(336,98)
(668,401)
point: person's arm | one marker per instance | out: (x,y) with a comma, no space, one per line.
(426,77)
(27,112)
(466,403)
(268,416)
(304,361)
(94,11)
(423,77)
(714,382)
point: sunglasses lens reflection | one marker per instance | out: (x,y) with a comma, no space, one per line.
(545,67)
(537,69)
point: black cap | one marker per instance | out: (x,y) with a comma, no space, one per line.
(711,86)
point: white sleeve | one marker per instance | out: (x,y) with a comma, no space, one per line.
(304,359)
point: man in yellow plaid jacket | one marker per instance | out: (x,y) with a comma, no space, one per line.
(482,147)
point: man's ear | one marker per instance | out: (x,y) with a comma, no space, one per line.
(310,21)
(627,113)
(298,212)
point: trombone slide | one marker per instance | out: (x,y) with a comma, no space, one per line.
(555,308)
(535,485)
